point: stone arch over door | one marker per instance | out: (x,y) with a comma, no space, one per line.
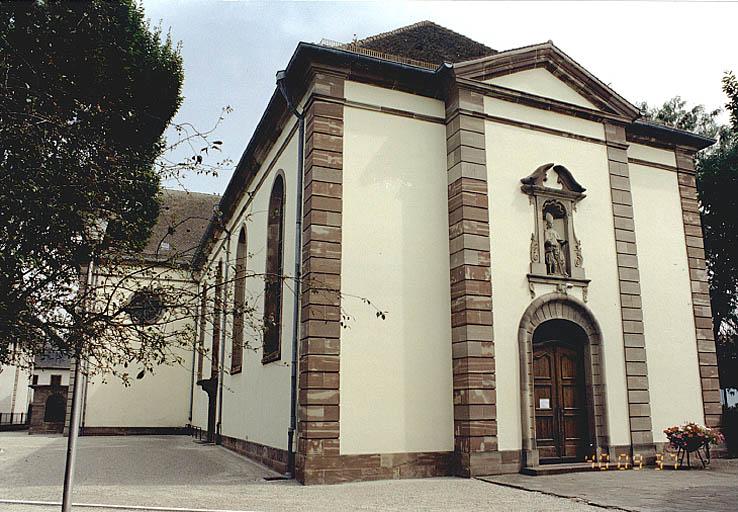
(556,306)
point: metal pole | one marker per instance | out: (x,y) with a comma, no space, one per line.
(297,301)
(73,423)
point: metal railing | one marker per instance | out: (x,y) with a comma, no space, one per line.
(13,418)
(197,432)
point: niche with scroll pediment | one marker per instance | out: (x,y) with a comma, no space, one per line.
(555,250)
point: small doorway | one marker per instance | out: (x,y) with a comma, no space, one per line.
(561,411)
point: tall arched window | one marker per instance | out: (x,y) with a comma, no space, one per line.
(239,302)
(217,310)
(274,270)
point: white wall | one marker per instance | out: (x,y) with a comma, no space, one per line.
(44,376)
(671,347)
(396,378)
(514,153)
(14,390)
(159,399)
(256,402)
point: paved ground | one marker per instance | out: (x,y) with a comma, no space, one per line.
(176,472)
(647,490)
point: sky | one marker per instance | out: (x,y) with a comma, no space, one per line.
(646,51)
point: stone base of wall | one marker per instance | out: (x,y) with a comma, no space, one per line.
(135,431)
(9,428)
(274,458)
(385,466)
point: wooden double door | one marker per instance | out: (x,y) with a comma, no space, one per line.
(562,433)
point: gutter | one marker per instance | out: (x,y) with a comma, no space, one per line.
(646,128)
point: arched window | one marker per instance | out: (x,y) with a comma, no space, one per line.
(239,302)
(55,408)
(217,308)
(274,270)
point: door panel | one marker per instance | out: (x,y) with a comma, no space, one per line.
(546,429)
(561,428)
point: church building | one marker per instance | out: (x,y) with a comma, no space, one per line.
(503,267)
(534,248)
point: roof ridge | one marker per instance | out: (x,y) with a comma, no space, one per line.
(501,53)
(193,192)
(423,23)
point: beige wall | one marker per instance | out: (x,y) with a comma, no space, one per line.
(513,153)
(396,386)
(671,347)
(44,376)
(256,402)
(541,82)
(14,390)
(543,118)
(159,399)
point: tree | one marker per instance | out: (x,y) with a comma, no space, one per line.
(717,186)
(674,113)
(87,91)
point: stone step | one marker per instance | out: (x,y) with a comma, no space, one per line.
(557,469)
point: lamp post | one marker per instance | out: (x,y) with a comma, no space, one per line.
(95,233)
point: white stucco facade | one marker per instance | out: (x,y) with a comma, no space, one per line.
(673,369)
(156,400)
(512,154)
(14,391)
(395,253)
(256,401)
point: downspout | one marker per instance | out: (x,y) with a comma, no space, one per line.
(194,350)
(281,76)
(224,323)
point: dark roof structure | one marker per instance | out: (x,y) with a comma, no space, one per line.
(183,218)
(51,361)
(426,41)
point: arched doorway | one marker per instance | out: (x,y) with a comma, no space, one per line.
(55,409)
(559,392)
(563,407)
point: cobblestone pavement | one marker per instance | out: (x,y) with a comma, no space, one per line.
(174,471)
(648,490)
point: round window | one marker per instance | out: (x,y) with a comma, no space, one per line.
(145,307)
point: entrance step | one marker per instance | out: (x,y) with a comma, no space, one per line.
(557,469)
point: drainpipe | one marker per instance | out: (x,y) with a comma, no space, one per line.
(194,350)
(224,323)
(281,83)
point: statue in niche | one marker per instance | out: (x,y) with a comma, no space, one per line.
(554,247)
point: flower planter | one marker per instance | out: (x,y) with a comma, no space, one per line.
(691,438)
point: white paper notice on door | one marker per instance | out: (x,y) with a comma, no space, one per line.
(544,403)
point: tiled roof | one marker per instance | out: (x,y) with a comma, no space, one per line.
(427,41)
(182,221)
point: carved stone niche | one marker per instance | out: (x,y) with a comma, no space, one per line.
(555,251)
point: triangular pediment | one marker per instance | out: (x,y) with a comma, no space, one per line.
(542,82)
(543,70)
